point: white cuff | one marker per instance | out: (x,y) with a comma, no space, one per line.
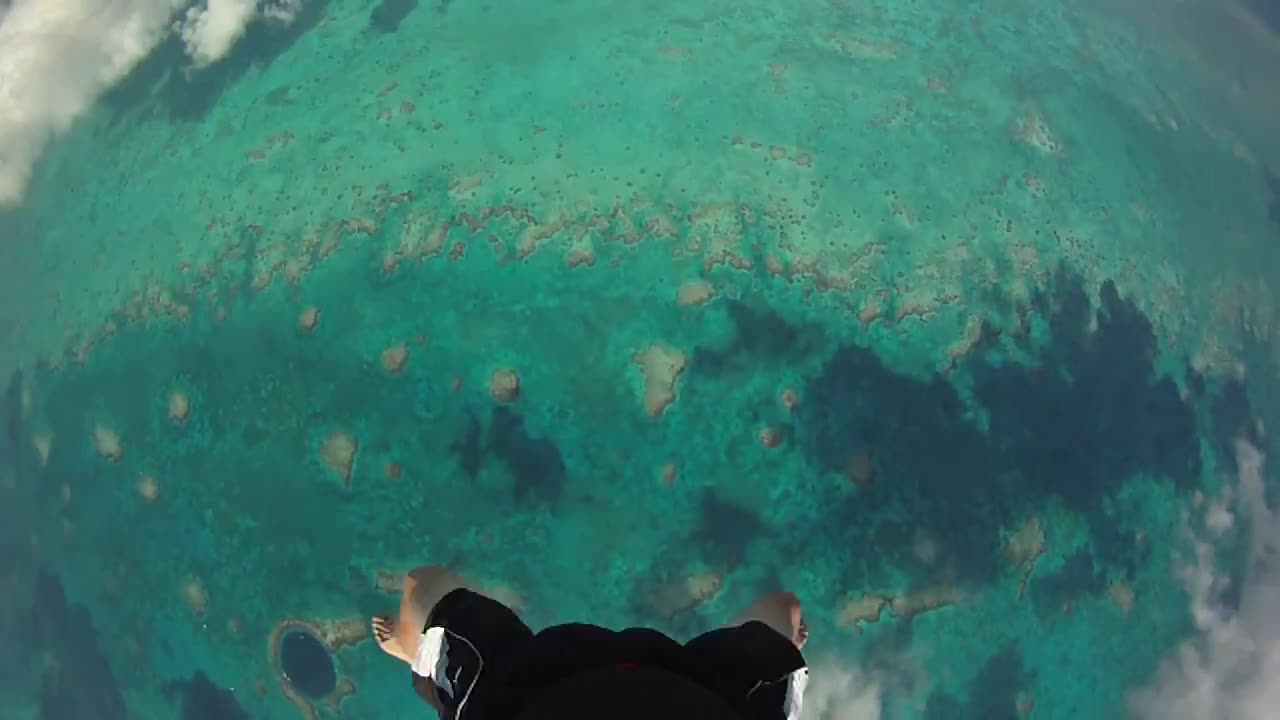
(795,693)
(432,658)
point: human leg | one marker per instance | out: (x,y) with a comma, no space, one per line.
(449,635)
(423,587)
(780,611)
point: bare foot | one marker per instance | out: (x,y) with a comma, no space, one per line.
(384,630)
(423,588)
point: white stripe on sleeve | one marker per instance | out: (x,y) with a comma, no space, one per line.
(795,693)
(433,658)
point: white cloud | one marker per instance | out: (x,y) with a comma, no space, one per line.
(838,691)
(57,57)
(210,30)
(283,11)
(1228,670)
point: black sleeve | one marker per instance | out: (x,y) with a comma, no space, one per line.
(466,634)
(753,666)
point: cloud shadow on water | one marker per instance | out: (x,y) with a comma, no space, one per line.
(387,15)
(725,530)
(1086,413)
(760,335)
(536,464)
(203,700)
(993,695)
(83,685)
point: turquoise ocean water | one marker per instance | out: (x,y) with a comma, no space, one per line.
(957,319)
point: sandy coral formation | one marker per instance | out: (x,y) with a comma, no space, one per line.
(504,385)
(583,256)
(466,187)
(918,303)
(294,269)
(435,240)
(308,319)
(1034,185)
(859,611)
(261,281)
(901,209)
(411,236)
(390,261)
(775,153)
(872,309)
(661,366)
(179,406)
(107,443)
(790,399)
(195,595)
(340,633)
(770,436)
(339,454)
(1123,595)
(394,358)
(972,336)
(1023,548)
(722,226)
(1032,129)
(662,225)
(334,635)
(684,594)
(861,48)
(535,235)
(694,292)
(148,488)
(922,600)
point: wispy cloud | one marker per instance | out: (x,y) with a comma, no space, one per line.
(840,691)
(1228,670)
(57,57)
(209,30)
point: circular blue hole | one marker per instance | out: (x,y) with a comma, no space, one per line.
(307,665)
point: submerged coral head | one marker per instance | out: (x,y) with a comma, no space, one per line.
(339,454)
(179,406)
